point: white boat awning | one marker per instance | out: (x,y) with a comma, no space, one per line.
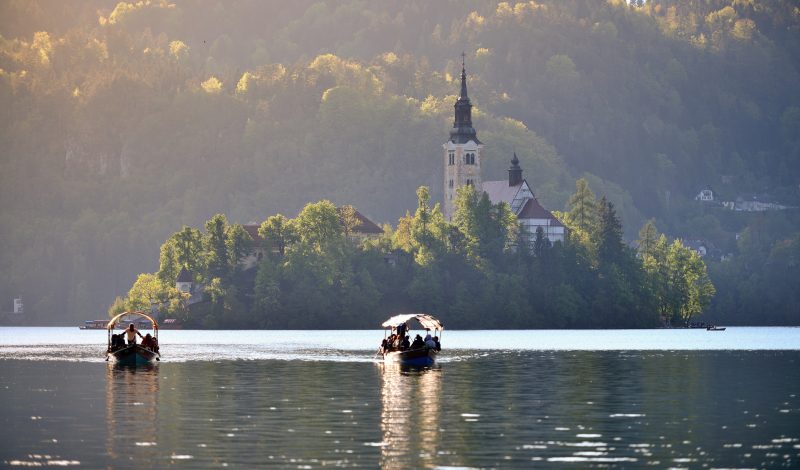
(427,321)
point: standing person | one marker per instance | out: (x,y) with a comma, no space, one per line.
(131,333)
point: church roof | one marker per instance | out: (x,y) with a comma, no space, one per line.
(184,276)
(365,225)
(252,230)
(533,210)
(500,191)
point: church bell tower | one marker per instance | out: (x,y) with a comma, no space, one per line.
(462,152)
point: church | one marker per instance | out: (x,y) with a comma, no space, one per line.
(462,167)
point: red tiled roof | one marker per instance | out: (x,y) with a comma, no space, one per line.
(252,230)
(365,225)
(533,210)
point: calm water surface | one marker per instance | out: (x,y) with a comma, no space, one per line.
(508,399)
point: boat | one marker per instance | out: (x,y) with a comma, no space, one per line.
(715,328)
(94,325)
(134,354)
(424,355)
(171,324)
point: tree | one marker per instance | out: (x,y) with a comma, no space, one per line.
(349,219)
(318,225)
(146,291)
(216,247)
(278,232)
(117,307)
(609,241)
(648,236)
(427,229)
(489,229)
(188,249)
(238,243)
(583,207)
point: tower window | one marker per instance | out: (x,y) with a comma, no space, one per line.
(469,182)
(469,158)
(451,183)
(452,158)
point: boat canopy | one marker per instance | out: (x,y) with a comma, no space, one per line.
(427,321)
(114,320)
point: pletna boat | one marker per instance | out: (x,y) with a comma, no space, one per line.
(397,348)
(131,354)
(94,325)
(715,328)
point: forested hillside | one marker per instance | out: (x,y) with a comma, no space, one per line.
(121,122)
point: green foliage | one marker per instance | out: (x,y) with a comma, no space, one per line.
(278,231)
(118,306)
(216,247)
(146,291)
(583,208)
(473,272)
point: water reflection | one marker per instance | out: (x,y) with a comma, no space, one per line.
(131,411)
(410,415)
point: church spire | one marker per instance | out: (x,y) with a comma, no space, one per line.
(463,131)
(463,94)
(514,172)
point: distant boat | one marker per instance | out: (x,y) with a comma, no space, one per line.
(94,325)
(413,354)
(171,324)
(715,328)
(133,354)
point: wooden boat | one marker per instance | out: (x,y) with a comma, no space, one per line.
(424,355)
(94,325)
(133,354)
(715,328)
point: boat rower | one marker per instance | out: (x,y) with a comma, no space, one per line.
(131,333)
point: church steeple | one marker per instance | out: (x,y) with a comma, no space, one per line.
(463,131)
(462,151)
(463,94)
(514,172)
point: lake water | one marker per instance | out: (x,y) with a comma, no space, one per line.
(496,399)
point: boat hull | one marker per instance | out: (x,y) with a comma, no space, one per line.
(134,355)
(414,357)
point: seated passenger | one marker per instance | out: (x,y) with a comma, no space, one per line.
(147,342)
(429,342)
(418,343)
(405,344)
(438,344)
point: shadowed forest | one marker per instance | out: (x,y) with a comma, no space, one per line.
(122,122)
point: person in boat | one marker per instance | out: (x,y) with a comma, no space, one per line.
(438,344)
(147,342)
(429,342)
(398,342)
(418,343)
(117,341)
(405,344)
(131,333)
(401,330)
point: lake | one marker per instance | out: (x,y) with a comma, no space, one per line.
(496,399)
